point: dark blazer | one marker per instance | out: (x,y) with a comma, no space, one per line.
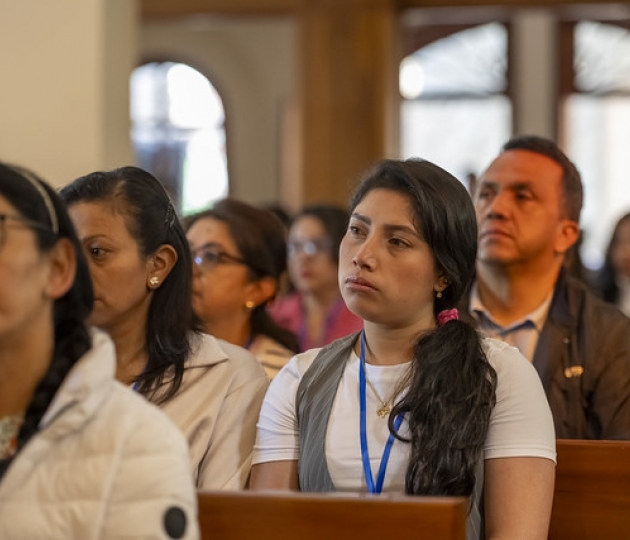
(583,359)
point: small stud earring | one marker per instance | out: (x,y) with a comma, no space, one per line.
(154,282)
(249,305)
(438,294)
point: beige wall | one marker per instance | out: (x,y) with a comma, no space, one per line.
(62,110)
(252,65)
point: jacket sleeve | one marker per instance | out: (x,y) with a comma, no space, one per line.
(227,463)
(152,494)
(611,393)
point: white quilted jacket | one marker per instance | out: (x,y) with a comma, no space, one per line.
(105,465)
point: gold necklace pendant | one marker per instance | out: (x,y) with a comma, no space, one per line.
(386,406)
(384,410)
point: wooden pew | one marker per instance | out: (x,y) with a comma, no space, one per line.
(250,515)
(592,494)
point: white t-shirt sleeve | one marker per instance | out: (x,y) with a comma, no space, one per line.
(277,429)
(521,423)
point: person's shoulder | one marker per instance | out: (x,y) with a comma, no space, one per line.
(266,347)
(516,375)
(597,312)
(504,358)
(298,365)
(121,420)
(337,351)
(209,351)
(497,350)
(152,457)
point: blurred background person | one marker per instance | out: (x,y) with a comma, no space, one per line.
(285,287)
(315,312)
(614,277)
(141,270)
(239,255)
(80,455)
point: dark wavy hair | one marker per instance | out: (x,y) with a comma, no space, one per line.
(260,238)
(21,188)
(451,385)
(334,220)
(151,220)
(572,190)
(607,276)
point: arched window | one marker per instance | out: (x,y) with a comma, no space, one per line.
(178,132)
(597,116)
(455,110)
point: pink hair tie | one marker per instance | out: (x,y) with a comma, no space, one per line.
(447,315)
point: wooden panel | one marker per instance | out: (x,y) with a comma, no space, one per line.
(509,3)
(296,516)
(174,8)
(155,9)
(592,495)
(348,90)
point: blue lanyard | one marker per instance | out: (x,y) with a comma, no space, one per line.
(365,456)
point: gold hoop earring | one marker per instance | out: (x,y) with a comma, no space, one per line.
(154,282)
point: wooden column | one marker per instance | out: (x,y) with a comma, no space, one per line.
(348,106)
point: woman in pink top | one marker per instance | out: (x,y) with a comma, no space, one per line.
(315,311)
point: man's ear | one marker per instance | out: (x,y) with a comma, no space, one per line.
(568,234)
(63,268)
(160,264)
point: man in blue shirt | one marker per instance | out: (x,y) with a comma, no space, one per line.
(528,204)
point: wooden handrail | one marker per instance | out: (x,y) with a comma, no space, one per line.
(298,516)
(591,502)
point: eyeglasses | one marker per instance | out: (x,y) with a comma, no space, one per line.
(24,222)
(209,256)
(309,247)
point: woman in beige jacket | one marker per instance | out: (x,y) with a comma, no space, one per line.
(141,270)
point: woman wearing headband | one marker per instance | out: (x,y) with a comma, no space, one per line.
(141,270)
(80,456)
(417,402)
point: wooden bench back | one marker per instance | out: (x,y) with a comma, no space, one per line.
(591,502)
(592,494)
(250,515)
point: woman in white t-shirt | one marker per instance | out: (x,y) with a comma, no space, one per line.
(418,402)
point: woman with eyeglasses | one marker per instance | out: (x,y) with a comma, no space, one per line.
(141,269)
(315,312)
(80,455)
(239,256)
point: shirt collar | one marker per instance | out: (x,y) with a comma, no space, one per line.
(537,317)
